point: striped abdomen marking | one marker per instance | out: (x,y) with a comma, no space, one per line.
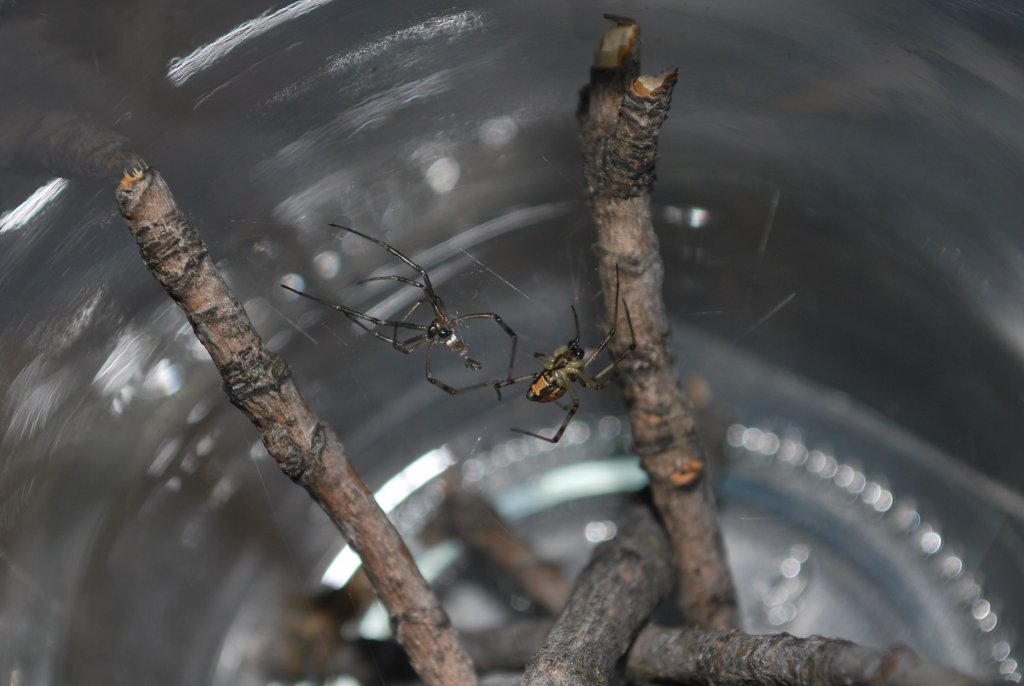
(542,390)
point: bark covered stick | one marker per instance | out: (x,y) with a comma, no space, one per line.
(621,117)
(699,657)
(477,523)
(733,658)
(259,383)
(612,598)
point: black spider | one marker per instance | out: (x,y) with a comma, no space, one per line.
(443,330)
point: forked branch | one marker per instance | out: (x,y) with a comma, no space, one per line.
(621,117)
(699,657)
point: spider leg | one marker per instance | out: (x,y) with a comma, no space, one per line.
(429,288)
(592,382)
(451,390)
(565,422)
(511,380)
(500,322)
(412,344)
(407,315)
(398,345)
(394,277)
(360,319)
(421,301)
(354,314)
(430,297)
(615,321)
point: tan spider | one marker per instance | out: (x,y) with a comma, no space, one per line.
(567,364)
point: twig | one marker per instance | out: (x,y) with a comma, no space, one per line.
(477,523)
(698,657)
(259,383)
(732,658)
(465,514)
(612,598)
(621,117)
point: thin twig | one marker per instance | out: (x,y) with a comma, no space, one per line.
(612,598)
(476,522)
(697,657)
(259,383)
(621,117)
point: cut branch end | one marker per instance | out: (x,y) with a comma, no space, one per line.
(620,43)
(647,85)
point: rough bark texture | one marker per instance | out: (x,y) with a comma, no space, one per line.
(698,657)
(259,383)
(621,117)
(612,598)
(732,658)
(472,518)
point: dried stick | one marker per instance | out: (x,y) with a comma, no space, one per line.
(259,383)
(699,657)
(475,521)
(621,117)
(732,658)
(612,598)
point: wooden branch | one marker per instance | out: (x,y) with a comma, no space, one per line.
(612,598)
(732,658)
(621,117)
(476,522)
(698,657)
(259,383)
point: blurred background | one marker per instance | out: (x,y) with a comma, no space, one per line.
(838,211)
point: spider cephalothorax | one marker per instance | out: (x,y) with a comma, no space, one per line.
(442,330)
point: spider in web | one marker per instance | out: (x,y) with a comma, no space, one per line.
(443,330)
(567,364)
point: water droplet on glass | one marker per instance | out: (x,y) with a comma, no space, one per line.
(327,264)
(931,542)
(497,132)
(609,427)
(443,175)
(790,568)
(292,281)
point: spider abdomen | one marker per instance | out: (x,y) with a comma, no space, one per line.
(545,389)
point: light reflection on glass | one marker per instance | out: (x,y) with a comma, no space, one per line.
(20,216)
(389,496)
